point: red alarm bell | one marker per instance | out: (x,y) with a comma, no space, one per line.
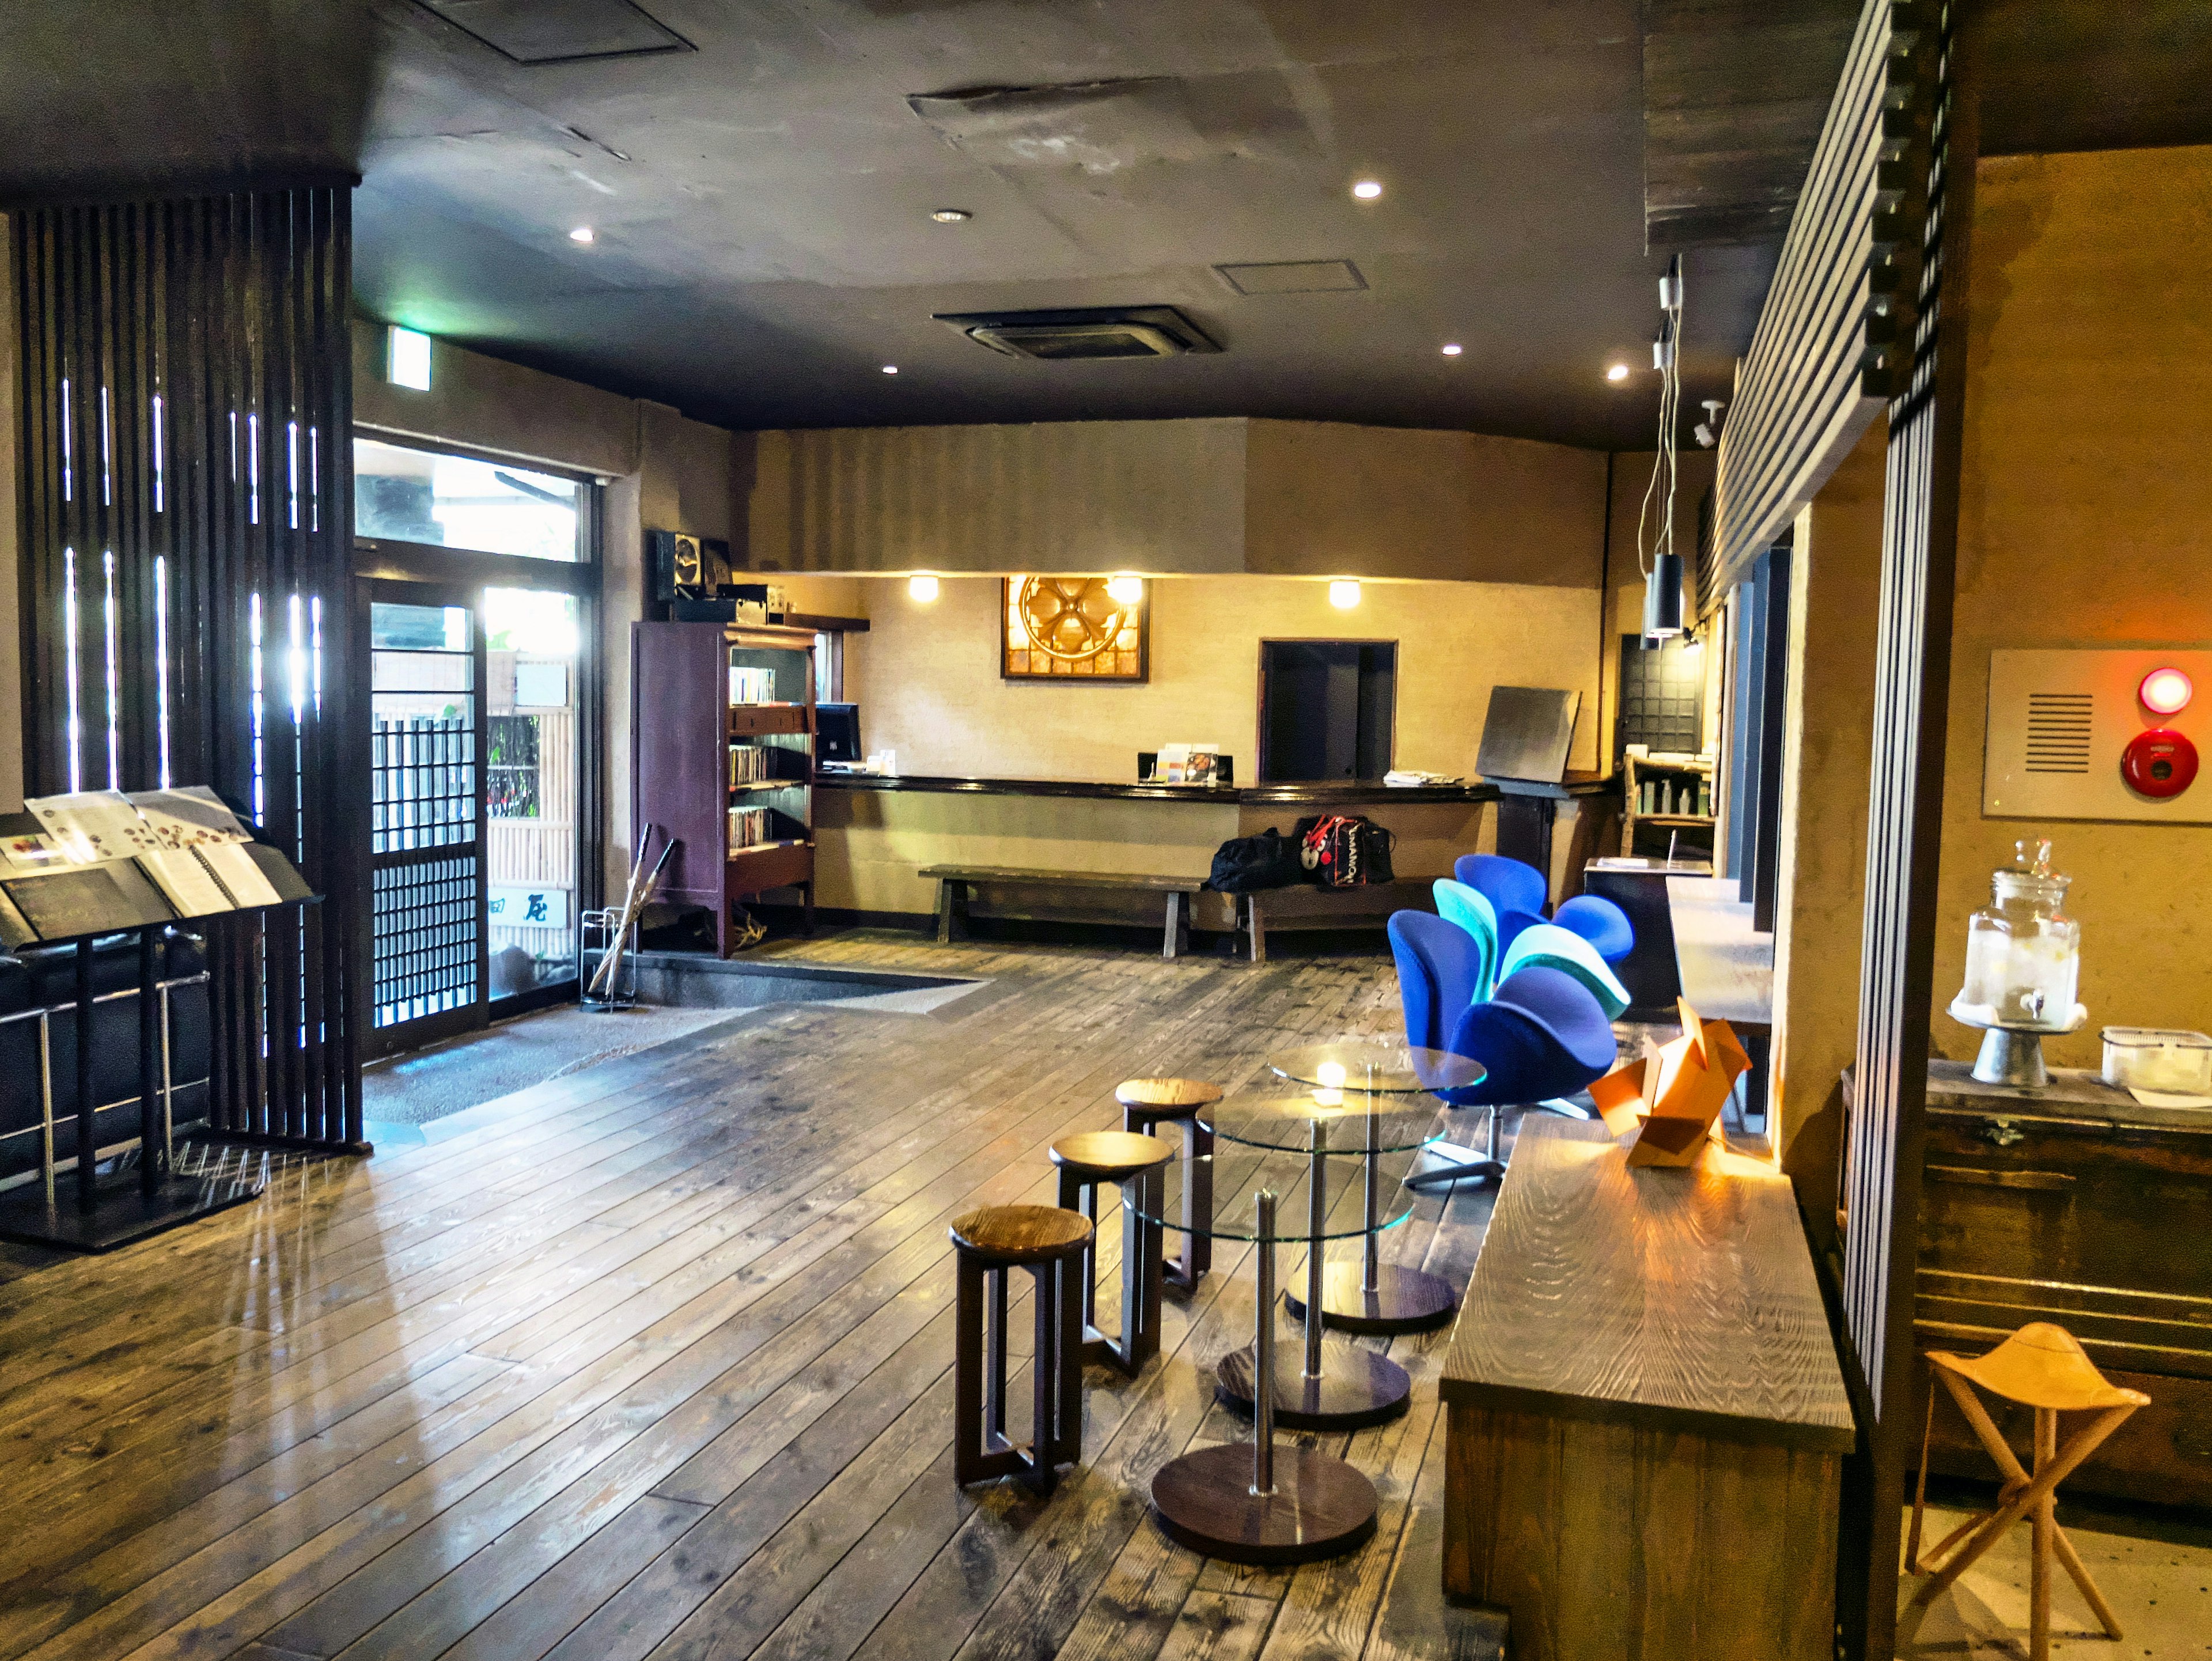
(2159,763)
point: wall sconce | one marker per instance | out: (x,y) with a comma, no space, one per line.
(1343,595)
(1125,590)
(921,588)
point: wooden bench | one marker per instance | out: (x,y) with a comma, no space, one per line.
(1302,906)
(1645,1419)
(954,882)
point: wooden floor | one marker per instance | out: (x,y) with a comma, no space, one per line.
(658,1366)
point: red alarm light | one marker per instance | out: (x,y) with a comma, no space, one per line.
(2159,763)
(2166,691)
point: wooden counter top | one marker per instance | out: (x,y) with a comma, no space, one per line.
(1287,795)
(1678,1299)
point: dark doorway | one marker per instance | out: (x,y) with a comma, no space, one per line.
(1326,709)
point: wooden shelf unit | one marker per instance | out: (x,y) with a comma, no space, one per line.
(683,729)
(1673,772)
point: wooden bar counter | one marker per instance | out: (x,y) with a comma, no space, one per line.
(1646,1420)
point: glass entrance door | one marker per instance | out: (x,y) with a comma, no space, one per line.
(426,840)
(532,799)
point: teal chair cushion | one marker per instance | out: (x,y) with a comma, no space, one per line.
(1457,903)
(1545,945)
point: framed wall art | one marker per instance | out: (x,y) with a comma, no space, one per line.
(1075,629)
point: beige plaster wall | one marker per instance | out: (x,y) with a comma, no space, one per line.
(2085,519)
(927,679)
(1827,744)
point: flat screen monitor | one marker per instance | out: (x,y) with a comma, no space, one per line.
(1527,733)
(837,732)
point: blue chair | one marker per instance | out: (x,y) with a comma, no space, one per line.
(1543,1037)
(1551,946)
(1516,892)
(1458,904)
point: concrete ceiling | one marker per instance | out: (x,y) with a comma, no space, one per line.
(761,203)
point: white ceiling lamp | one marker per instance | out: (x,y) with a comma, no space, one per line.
(1452,349)
(891,368)
(1367,189)
(583,234)
(922,588)
(1616,374)
(1344,594)
(1125,590)
(952,215)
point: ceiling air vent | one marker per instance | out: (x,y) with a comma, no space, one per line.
(1294,277)
(559,31)
(1109,331)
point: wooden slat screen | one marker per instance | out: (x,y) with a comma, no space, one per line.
(1882,1233)
(187,519)
(1825,355)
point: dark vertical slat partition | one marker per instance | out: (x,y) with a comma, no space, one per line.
(187,524)
(1881,1234)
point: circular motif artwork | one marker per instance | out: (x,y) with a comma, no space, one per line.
(1071,618)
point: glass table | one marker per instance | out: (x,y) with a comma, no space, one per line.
(1263,1503)
(1372,1296)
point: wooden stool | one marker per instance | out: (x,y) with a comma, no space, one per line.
(1052,1245)
(1086,1163)
(1147,1103)
(2039,1367)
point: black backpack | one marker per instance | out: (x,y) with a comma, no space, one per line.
(1244,864)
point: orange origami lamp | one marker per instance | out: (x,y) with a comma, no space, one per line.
(1676,1091)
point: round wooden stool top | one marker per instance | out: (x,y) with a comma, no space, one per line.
(1021,1234)
(1167,1098)
(1110,1155)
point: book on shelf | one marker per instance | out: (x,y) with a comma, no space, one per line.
(751,826)
(752,686)
(749,764)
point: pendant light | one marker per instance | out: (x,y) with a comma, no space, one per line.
(1662,578)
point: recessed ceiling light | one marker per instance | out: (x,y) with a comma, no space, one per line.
(1452,349)
(952,215)
(891,368)
(1125,590)
(922,588)
(1618,372)
(582,233)
(1367,189)
(1343,595)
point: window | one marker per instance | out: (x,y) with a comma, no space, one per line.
(403,494)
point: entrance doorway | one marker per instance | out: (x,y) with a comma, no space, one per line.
(1326,708)
(477,808)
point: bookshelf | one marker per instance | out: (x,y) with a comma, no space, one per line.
(1665,795)
(722,760)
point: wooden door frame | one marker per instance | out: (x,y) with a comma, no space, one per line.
(1260,732)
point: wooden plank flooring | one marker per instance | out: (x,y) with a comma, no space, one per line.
(656,1365)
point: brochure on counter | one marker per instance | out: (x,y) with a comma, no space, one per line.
(97,861)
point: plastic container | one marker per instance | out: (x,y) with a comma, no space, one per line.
(2158,1058)
(2023,954)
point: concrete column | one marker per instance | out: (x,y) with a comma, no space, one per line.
(1826,756)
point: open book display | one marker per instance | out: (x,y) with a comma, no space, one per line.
(99,861)
(1674,1091)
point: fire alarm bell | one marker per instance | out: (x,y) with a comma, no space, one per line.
(2159,763)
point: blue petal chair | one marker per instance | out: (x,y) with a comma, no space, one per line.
(1551,946)
(1541,1036)
(1516,892)
(1458,904)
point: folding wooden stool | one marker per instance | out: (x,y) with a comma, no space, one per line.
(2042,1368)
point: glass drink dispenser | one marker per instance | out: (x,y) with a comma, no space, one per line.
(2023,969)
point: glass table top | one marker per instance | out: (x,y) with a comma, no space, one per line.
(1240,1174)
(1378,1065)
(1348,1121)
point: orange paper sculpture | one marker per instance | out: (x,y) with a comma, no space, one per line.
(1676,1091)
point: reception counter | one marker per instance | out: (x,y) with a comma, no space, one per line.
(874,833)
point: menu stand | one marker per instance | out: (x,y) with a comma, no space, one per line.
(91,1214)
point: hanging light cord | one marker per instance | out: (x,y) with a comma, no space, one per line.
(1666,350)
